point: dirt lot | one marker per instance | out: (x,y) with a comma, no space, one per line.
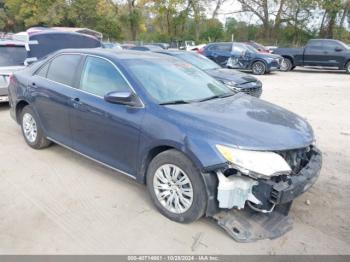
(54,201)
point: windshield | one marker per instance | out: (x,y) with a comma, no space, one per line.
(173,80)
(12,55)
(198,60)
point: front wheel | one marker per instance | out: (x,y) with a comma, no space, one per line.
(176,187)
(286,65)
(347,67)
(31,129)
(259,68)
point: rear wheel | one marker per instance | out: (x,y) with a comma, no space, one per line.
(286,65)
(176,187)
(347,67)
(31,129)
(259,68)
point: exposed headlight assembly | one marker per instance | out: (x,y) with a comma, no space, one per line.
(232,85)
(255,163)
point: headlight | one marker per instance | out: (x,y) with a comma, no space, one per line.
(232,85)
(255,163)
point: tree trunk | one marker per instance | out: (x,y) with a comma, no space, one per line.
(217,8)
(345,13)
(321,33)
(331,25)
(131,5)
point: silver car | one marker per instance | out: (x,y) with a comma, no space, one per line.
(12,56)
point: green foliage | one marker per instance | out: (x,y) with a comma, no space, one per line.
(282,22)
(214,31)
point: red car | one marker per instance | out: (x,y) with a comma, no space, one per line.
(259,47)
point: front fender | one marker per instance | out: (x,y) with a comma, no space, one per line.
(204,156)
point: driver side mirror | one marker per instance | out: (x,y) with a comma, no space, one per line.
(123,98)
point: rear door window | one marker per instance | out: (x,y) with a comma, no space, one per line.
(43,70)
(63,69)
(12,55)
(315,45)
(331,45)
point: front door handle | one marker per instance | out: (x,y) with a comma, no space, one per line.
(76,102)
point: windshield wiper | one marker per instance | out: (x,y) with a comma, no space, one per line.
(215,97)
(175,102)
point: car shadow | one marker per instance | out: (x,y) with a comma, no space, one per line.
(319,71)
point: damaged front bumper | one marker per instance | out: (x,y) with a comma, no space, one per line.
(252,209)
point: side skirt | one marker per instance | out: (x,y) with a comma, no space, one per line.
(93,159)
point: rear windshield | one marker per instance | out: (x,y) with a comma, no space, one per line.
(12,55)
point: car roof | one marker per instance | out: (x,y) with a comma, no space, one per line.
(220,43)
(8,42)
(150,47)
(115,55)
(172,52)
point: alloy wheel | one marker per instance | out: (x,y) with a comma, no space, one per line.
(173,188)
(258,68)
(285,65)
(29,127)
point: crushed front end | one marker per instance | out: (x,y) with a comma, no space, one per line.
(251,206)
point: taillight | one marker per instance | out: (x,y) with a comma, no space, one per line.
(11,79)
(200,50)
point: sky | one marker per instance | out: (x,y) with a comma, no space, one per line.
(229,8)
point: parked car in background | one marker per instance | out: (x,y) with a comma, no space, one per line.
(127,46)
(42,43)
(12,57)
(242,56)
(200,148)
(235,80)
(259,47)
(317,52)
(190,46)
(110,45)
(15,55)
(162,45)
(146,48)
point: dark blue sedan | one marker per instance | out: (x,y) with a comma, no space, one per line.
(235,80)
(242,56)
(200,148)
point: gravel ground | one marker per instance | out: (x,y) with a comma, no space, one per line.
(54,201)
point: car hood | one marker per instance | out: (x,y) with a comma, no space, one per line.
(244,122)
(231,75)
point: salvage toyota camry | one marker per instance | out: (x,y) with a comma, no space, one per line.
(200,148)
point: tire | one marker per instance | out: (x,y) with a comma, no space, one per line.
(258,68)
(286,65)
(173,160)
(347,67)
(31,129)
